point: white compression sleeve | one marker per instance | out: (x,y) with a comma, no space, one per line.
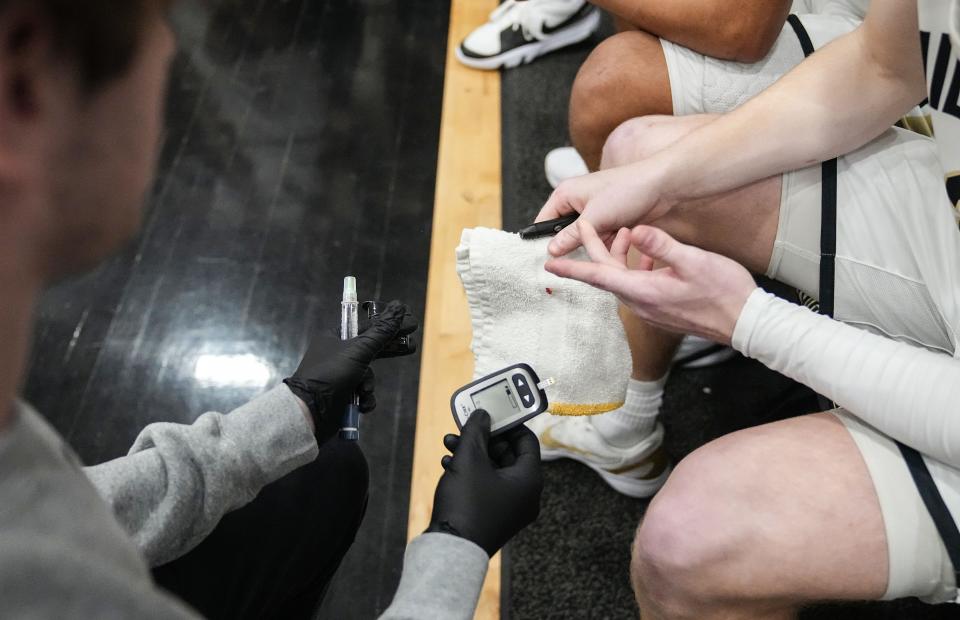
(909,393)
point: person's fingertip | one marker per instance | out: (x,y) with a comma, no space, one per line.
(451,442)
(482,416)
(396,311)
(541,216)
(477,426)
(643,235)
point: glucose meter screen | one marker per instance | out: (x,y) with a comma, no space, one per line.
(497,400)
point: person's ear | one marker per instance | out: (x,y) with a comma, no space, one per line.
(28,67)
(34,88)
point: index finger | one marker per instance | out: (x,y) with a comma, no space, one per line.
(597,249)
(616,280)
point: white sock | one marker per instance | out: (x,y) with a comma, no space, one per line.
(637,417)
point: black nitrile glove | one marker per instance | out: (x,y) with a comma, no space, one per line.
(333,370)
(491,489)
(401,346)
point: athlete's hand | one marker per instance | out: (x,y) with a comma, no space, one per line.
(697,292)
(607,200)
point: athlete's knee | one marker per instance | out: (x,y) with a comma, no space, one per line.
(631,141)
(608,71)
(681,547)
(615,84)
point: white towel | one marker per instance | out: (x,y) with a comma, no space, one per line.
(563,328)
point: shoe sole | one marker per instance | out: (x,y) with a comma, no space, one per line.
(710,359)
(527,53)
(631,487)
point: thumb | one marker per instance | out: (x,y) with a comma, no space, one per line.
(384,328)
(660,247)
(475,437)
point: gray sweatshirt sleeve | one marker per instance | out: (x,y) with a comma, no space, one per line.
(178,480)
(441,580)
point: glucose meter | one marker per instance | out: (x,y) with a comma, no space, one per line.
(511,396)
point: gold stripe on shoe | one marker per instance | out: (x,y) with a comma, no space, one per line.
(546,439)
(656,463)
(647,469)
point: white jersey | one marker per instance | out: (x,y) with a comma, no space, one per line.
(854,9)
(940,59)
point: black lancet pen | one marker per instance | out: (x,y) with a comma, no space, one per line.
(548,228)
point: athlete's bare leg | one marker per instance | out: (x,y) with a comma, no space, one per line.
(623,78)
(759,522)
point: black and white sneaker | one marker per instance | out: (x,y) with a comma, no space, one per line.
(521,30)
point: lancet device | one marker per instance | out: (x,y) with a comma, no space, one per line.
(349,327)
(511,396)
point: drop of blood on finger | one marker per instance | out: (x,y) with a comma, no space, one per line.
(549,291)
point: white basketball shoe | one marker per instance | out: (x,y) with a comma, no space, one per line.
(521,30)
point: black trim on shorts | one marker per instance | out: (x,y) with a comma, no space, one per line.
(922,479)
(933,500)
(828,201)
(828,235)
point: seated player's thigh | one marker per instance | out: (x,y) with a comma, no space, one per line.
(784,512)
(898,248)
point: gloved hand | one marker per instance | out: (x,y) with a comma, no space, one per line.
(333,370)
(491,489)
(401,346)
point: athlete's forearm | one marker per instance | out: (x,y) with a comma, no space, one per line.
(906,392)
(837,100)
(743,31)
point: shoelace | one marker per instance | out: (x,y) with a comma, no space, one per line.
(530,15)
